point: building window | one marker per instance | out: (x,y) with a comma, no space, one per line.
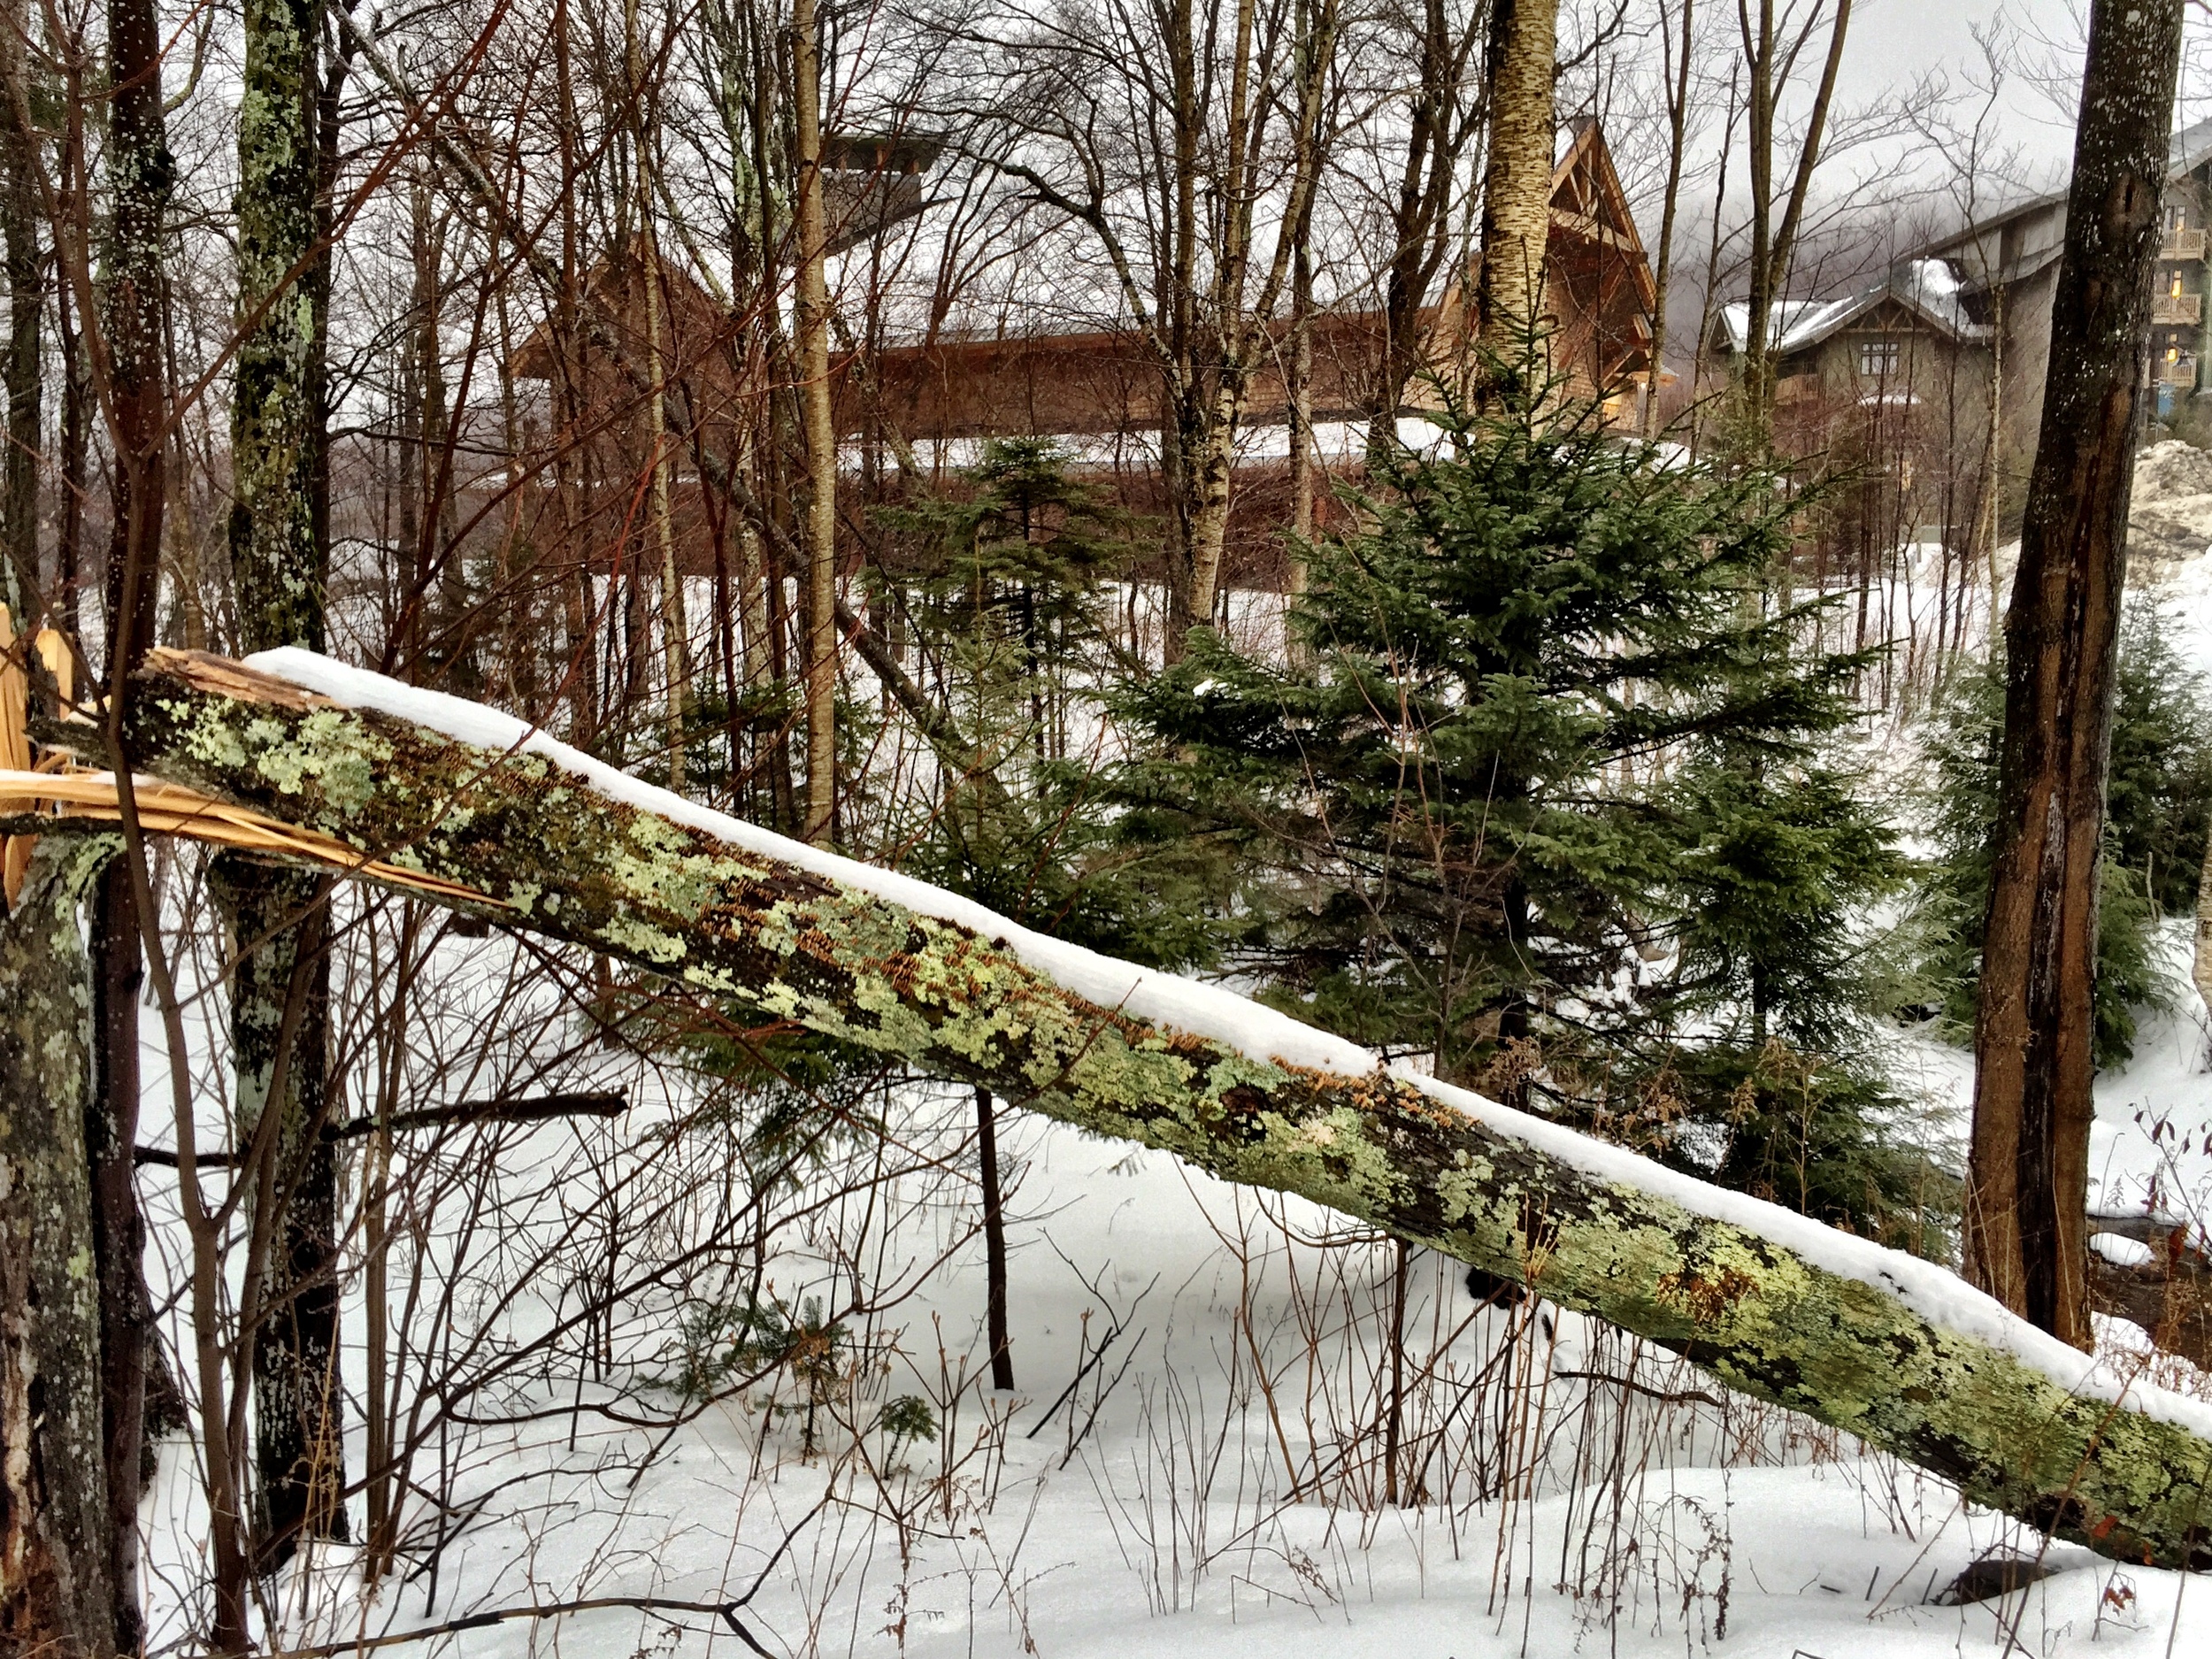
(2173,285)
(2173,216)
(1877,358)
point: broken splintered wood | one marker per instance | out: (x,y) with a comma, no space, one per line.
(165,809)
(1895,1352)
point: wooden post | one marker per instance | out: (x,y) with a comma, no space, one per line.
(996,1329)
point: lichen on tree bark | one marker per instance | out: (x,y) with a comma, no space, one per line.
(273,555)
(280,986)
(552,855)
(57,1593)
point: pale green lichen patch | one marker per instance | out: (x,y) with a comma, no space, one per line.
(946,1002)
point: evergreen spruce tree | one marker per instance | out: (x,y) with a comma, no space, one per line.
(1006,600)
(2159,800)
(2159,794)
(1545,795)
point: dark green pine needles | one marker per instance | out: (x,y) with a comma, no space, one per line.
(2157,803)
(1546,787)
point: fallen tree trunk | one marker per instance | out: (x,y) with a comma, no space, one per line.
(455,800)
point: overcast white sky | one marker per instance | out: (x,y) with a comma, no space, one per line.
(1909,180)
(1891,40)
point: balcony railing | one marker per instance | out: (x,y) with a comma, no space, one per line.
(2181,372)
(2176,308)
(2181,244)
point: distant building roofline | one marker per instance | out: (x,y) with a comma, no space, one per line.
(2189,148)
(1796,324)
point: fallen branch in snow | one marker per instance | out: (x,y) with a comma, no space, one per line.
(1663,1397)
(542,1109)
(1893,1351)
(2146,1270)
(727,1611)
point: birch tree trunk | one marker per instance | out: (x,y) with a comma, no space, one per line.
(1516,176)
(1298,375)
(280,988)
(1442,119)
(2028,1173)
(1211,460)
(675,625)
(1677,129)
(1774,245)
(821,431)
(1893,1351)
(57,1592)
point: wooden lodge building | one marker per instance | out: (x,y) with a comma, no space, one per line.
(1100,381)
(1101,389)
(2007,264)
(1884,390)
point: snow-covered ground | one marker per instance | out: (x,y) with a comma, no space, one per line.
(1570,1514)
(1193,1459)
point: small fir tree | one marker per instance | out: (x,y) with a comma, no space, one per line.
(1545,793)
(2158,800)
(2159,794)
(1007,596)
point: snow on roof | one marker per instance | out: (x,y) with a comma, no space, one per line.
(1928,286)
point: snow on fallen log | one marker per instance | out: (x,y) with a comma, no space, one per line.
(447,794)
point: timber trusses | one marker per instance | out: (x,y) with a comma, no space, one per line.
(470,807)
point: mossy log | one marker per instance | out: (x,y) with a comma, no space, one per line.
(1925,1375)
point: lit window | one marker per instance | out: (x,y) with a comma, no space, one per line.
(2173,216)
(1877,358)
(2173,286)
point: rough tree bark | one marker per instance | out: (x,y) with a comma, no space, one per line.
(57,1593)
(996,1332)
(280,986)
(2201,962)
(794,936)
(141,178)
(1516,175)
(26,358)
(2028,1171)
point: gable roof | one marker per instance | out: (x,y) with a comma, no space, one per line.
(1927,288)
(1588,203)
(2187,150)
